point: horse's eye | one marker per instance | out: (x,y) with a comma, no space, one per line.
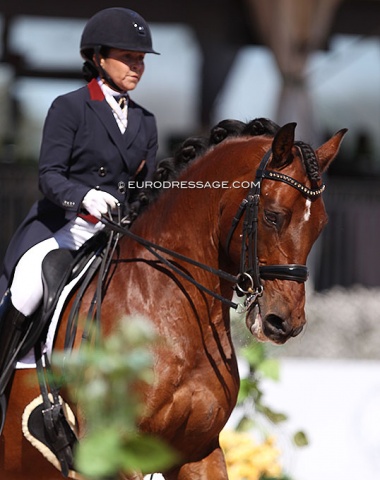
(271,218)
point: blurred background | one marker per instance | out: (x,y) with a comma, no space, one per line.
(316,62)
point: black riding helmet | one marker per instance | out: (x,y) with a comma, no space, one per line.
(113,28)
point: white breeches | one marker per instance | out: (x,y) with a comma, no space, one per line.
(26,288)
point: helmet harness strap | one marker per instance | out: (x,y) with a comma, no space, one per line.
(103,72)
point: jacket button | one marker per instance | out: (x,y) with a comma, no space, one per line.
(121,187)
(102,172)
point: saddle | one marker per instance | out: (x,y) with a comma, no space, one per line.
(59,268)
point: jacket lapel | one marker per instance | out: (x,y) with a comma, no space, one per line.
(134,120)
(99,105)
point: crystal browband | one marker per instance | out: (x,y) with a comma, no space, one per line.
(307,192)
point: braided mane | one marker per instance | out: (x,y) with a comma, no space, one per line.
(192,148)
(310,163)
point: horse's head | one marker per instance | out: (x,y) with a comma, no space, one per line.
(283,216)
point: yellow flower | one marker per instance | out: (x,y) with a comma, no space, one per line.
(248,459)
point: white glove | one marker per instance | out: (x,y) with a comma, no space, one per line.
(96,202)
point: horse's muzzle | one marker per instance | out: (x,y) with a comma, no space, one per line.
(271,327)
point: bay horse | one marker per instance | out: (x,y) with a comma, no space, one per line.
(249,210)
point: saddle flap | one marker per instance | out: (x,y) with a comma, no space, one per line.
(56,269)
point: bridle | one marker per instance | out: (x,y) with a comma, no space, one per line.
(248,281)
(251,273)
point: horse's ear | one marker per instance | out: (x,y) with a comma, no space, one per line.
(329,150)
(282,146)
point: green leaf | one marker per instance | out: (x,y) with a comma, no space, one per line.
(274,417)
(147,454)
(105,452)
(248,389)
(300,439)
(99,454)
(245,424)
(254,354)
(270,368)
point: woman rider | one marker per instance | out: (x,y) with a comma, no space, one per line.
(91,147)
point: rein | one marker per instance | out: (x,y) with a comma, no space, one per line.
(153,248)
(248,281)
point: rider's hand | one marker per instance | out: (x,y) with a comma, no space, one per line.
(97,202)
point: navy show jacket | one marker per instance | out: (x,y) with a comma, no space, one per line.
(82,148)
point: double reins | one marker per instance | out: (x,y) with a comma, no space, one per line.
(248,281)
(155,250)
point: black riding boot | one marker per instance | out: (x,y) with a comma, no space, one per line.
(13,326)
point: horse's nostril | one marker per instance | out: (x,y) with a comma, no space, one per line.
(277,323)
(278,329)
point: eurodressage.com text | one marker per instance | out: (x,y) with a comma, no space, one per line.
(189,184)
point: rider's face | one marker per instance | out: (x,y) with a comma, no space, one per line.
(124,67)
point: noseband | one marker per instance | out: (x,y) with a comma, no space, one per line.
(248,281)
(251,273)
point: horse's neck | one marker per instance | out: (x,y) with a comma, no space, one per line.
(187,224)
(186,217)
(184,221)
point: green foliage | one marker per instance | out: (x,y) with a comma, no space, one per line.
(105,381)
(108,450)
(300,439)
(261,366)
